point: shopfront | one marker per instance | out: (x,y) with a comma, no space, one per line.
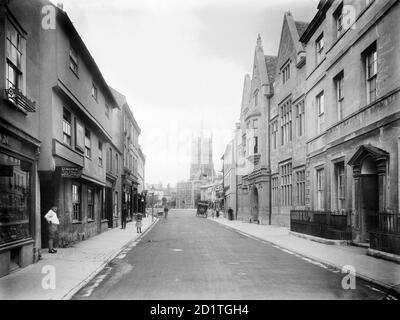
(18,194)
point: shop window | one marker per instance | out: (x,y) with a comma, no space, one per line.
(76,202)
(15,199)
(90,200)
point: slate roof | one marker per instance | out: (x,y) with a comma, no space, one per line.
(301,27)
(271,62)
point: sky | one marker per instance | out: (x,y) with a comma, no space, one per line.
(181,65)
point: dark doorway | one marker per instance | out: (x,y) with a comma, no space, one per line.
(109,207)
(369,198)
(254,204)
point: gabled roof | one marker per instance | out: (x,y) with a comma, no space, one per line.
(367,150)
(301,27)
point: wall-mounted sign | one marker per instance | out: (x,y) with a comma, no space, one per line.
(80,136)
(71,172)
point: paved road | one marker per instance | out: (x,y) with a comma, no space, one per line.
(188,257)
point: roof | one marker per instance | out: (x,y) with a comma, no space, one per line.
(93,67)
(271,62)
(301,27)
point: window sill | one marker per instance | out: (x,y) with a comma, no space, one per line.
(90,220)
(104,220)
(76,222)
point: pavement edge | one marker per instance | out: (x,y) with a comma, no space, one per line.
(393,290)
(112,256)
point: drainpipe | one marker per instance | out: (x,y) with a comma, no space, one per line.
(269,159)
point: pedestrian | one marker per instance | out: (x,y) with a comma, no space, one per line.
(139,217)
(123,217)
(52,226)
(165,212)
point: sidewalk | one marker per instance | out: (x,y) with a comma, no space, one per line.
(74,266)
(382,272)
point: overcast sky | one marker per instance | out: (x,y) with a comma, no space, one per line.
(179,62)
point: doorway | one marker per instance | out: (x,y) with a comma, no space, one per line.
(254,203)
(109,207)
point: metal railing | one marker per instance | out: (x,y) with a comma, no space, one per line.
(333,225)
(386,236)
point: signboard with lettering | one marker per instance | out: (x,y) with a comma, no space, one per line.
(71,172)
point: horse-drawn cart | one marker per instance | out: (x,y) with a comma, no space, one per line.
(202,208)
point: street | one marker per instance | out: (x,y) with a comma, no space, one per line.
(189,257)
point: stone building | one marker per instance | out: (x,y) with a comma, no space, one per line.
(352,111)
(76,133)
(254,184)
(287,124)
(20,240)
(184,195)
(229,178)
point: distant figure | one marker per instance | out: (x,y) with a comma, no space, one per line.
(123,217)
(53,222)
(165,212)
(139,217)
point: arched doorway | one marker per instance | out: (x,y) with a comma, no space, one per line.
(369,171)
(254,204)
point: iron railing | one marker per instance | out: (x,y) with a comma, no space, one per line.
(333,225)
(386,235)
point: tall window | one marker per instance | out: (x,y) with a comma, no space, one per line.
(300,119)
(116,163)
(88,146)
(338,16)
(255,145)
(73,60)
(286,122)
(319,48)
(286,184)
(274,133)
(109,160)
(102,204)
(107,111)
(256,98)
(14,57)
(90,199)
(301,187)
(66,127)
(100,154)
(94,91)
(321,110)
(275,190)
(371,61)
(340,185)
(339,80)
(320,189)
(76,202)
(286,72)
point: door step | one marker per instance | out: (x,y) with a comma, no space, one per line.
(361,244)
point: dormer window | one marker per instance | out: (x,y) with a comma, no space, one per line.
(286,72)
(338,16)
(319,48)
(73,61)
(94,91)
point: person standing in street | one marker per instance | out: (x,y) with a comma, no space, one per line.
(53,222)
(123,217)
(139,217)
(165,212)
